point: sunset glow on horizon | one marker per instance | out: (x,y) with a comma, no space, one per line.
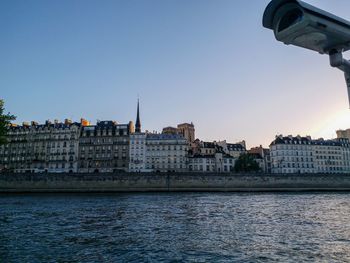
(210,63)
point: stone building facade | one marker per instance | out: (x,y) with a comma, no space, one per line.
(166,153)
(137,152)
(209,157)
(218,162)
(49,147)
(343,134)
(170,130)
(332,156)
(303,155)
(233,149)
(104,147)
(186,130)
(262,157)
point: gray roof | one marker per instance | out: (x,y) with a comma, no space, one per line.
(308,141)
(162,136)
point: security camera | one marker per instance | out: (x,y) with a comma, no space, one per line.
(300,24)
(303,25)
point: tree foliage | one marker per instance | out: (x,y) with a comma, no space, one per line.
(246,163)
(5,121)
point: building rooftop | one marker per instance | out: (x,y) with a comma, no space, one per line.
(48,125)
(162,136)
(308,141)
(185,124)
(235,147)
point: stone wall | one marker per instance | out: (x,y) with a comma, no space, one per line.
(138,182)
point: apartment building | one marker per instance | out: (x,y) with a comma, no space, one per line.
(49,147)
(137,152)
(166,153)
(104,147)
(303,155)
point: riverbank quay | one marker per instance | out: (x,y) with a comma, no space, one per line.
(170,182)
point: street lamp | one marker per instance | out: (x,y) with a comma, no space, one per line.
(303,25)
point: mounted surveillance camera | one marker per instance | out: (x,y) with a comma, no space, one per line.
(300,24)
(303,25)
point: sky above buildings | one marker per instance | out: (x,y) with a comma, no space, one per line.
(207,62)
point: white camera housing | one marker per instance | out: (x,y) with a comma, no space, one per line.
(300,24)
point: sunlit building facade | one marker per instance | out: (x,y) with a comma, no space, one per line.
(343,134)
(186,130)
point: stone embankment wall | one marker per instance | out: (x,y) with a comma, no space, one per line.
(146,182)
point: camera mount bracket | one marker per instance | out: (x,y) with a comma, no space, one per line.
(336,60)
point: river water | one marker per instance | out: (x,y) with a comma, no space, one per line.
(175,227)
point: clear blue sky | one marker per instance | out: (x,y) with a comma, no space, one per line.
(210,62)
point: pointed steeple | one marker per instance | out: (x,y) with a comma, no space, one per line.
(138,122)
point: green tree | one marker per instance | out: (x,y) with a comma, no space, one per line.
(5,121)
(246,163)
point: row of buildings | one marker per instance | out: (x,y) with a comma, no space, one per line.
(304,155)
(107,146)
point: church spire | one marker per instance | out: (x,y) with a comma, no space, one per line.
(138,122)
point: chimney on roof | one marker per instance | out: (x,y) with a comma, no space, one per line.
(84,122)
(67,121)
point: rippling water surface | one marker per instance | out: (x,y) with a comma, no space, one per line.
(195,227)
